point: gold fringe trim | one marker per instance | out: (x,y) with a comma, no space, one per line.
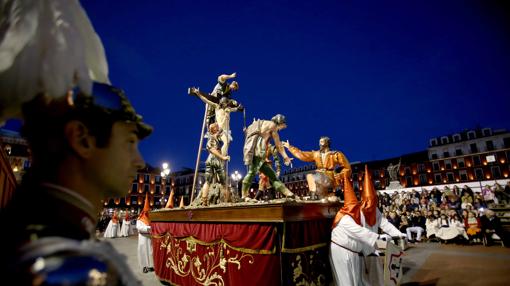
(221,241)
(303,249)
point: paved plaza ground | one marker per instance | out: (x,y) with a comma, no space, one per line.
(424,264)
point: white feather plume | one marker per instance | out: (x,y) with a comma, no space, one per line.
(46,46)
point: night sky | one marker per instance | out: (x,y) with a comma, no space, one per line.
(378,77)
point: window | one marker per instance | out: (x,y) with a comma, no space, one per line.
(496,172)
(134,188)
(146,187)
(479,174)
(444,140)
(458,152)
(476,160)
(434,156)
(408,171)
(447,164)
(167,189)
(421,168)
(409,181)
(486,132)
(158,189)
(433,142)
(463,175)
(133,200)
(376,173)
(473,147)
(168,180)
(471,135)
(146,177)
(157,179)
(449,176)
(423,179)
(461,163)
(490,145)
(435,166)
(506,142)
(456,137)
(446,154)
(437,178)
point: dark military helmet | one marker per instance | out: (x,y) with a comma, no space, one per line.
(279,119)
(112,101)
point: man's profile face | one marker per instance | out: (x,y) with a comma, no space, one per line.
(113,168)
(281,126)
(323,143)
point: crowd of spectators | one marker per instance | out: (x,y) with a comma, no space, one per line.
(455,214)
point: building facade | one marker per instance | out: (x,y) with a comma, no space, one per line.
(149,180)
(476,155)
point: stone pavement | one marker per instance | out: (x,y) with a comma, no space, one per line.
(424,264)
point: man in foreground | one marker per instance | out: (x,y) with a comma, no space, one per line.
(84,148)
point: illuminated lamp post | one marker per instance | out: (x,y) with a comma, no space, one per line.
(236,177)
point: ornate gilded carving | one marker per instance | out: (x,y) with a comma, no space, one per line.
(206,269)
(307,278)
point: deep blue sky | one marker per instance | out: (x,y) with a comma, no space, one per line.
(379,77)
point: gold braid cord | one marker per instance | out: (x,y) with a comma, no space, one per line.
(208,268)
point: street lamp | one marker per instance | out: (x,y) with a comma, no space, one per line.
(166,170)
(236,177)
(164,174)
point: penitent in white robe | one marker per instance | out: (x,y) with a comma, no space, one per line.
(144,245)
(348,239)
(372,268)
(112,230)
(126,230)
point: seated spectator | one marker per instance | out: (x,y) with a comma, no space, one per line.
(431,225)
(455,191)
(416,225)
(447,231)
(438,196)
(424,202)
(443,221)
(394,219)
(454,203)
(451,228)
(488,195)
(473,227)
(468,190)
(490,225)
(466,199)
(404,223)
(499,193)
(479,204)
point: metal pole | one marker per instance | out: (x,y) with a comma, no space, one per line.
(227,181)
(198,155)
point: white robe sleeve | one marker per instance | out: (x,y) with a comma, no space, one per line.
(354,237)
(142,227)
